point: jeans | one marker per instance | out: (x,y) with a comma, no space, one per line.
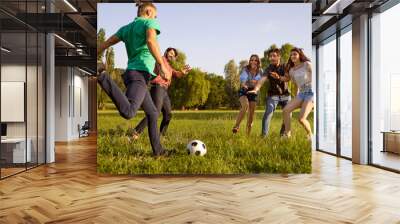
(137,95)
(272,103)
(162,102)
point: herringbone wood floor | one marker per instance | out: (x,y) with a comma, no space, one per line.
(70,191)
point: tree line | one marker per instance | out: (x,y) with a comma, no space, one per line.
(199,89)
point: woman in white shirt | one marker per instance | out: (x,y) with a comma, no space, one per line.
(299,69)
(249,77)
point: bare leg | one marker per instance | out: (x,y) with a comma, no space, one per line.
(291,106)
(252,108)
(244,104)
(306,108)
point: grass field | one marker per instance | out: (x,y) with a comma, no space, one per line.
(226,153)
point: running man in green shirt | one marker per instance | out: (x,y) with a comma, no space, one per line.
(140,38)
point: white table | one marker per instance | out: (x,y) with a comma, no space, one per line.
(18,149)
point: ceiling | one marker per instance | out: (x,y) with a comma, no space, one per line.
(74,22)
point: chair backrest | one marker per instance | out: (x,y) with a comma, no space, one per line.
(86,125)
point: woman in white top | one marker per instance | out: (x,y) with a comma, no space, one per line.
(299,69)
(249,77)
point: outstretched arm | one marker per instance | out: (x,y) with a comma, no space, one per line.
(285,78)
(259,84)
(182,72)
(108,43)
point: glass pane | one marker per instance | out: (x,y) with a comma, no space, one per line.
(41,98)
(385,86)
(346,94)
(314,86)
(23,79)
(327,97)
(13,84)
(32,97)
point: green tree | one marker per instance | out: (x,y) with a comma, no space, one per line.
(198,88)
(177,92)
(232,84)
(179,87)
(217,95)
(101,96)
(285,52)
(101,37)
(110,59)
(111,70)
(242,65)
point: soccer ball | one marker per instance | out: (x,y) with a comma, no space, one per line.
(196,148)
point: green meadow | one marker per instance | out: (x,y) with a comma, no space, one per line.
(226,153)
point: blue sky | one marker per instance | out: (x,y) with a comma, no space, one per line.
(212,34)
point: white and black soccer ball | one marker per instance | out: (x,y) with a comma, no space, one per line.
(196,148)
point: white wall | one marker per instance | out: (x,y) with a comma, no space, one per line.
(61,103)
(71,102)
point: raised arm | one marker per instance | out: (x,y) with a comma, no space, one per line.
(182,72)
(177,74)
(151,40)
(108,43)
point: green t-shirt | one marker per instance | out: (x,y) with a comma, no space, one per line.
(134,37)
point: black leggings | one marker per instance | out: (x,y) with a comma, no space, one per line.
(162,102)
(137,95)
